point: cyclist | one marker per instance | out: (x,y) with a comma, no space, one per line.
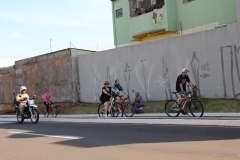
(106,96)
(181,88)
(47,98)
(117,88)
(22,99)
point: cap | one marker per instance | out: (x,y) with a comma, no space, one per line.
(185,70)
(106,83)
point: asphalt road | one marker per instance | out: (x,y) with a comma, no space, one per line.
(48,140)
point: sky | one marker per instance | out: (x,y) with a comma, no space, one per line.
(29,27)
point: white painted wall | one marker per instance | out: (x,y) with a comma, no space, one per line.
(213,58)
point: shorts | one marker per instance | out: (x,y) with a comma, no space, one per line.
(182,94)
(103,100)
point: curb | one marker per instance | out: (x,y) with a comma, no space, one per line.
(192,122)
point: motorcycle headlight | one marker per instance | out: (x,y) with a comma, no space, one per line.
(31,102)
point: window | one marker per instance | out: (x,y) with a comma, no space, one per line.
(187,1)
(139,7)
(119,13)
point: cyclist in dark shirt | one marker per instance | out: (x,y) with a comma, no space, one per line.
(106,96)
(181,87)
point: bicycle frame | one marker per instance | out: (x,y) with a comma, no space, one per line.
(184,102)
(195,106)
(51,110)
(111,102)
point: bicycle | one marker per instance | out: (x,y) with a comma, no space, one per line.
(51,109)
(113,108)
(127,108)
(195,106)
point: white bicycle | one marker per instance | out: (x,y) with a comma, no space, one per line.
(114,108)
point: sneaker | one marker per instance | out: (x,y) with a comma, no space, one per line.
(107,113)
(106,116)
(185,113)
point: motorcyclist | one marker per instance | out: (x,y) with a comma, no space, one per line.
(22,98)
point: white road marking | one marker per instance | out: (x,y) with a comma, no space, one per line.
(44,135)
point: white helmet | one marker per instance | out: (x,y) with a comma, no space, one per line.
(23,88)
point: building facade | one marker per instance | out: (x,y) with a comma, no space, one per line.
(137,21)
(56,72)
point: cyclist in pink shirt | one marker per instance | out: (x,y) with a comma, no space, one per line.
(47,98)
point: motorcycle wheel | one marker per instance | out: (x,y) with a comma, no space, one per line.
(35,116)
(20,119)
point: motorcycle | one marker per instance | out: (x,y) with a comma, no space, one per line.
(29,112)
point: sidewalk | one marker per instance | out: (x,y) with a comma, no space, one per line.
(209,119)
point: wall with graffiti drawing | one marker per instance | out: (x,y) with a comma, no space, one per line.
(213,58)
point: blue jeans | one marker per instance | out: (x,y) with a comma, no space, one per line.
(137,106)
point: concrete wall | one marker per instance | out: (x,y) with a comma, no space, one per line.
(57,72)
(213,58)
(75,76)
(51,71)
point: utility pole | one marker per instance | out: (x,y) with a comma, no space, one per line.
(50,45)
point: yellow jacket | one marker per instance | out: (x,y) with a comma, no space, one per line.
(22,98)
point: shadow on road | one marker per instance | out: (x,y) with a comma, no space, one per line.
(99,135)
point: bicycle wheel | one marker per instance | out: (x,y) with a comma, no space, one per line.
(115,109)
(196,108)
(128,110)
(171,108)
(54,111)
(101,110)
(45,113)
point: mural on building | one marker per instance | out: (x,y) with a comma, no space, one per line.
(146,73)
(113,72)
(95,85)
(127,77)
(228,52)
(195,68)
(166,80)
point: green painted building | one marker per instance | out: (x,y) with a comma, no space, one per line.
(138,21)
